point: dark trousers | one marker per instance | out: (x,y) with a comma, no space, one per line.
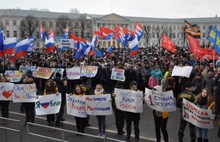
(101,123)
(60,114)
(5,108)
(119,120)
(51,119)
(136,128)
(182,127)
(29,111)
(80,124)
(161,124)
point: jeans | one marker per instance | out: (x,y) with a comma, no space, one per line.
(202,133)
(136,128)
(101,123)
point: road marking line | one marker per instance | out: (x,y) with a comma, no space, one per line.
(74,124)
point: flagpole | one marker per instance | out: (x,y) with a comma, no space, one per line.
(214,59)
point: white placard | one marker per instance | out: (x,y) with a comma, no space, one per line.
(182,71)
(129,100)
(48,104)
(98,104)
(76,105)
(89,71)
(73,73)
(118,74)
(24,93)
(160,101)
(197,116)
(6,91)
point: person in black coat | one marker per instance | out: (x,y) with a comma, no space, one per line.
(30,106)
(135,117)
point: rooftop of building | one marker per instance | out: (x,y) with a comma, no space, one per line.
(54,15)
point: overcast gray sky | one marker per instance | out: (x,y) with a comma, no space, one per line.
(139,8)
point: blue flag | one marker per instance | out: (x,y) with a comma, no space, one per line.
(217,42)
(212,34)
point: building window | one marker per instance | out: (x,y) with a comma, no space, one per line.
(14,22)
(76,33)
(51,24)
(7,33)
(174,27)
(6,22)
(182,35)
(203,35)
(204,27)
(76,25)
(15,34)
(38,45)
(174,35)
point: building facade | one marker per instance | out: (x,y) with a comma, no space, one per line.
(84,25)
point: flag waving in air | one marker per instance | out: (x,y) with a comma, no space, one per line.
(123,35)
(65,32)
(50,45)
(134,46)
(9,45)
(192,30)
(168,44)
(43,32)
(106,33)
(1,43)
(51,34)
(139,30)
(21,48)
(214,36)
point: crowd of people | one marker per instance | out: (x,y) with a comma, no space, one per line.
(148,69)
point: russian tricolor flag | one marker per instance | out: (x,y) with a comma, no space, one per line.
(9,45)
(21,48)
(50,45)
(134,46)
(1,43)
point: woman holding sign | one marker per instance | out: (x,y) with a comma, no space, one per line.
(4,103)
(203,100)
(50,88)
(80,122)
(99,90)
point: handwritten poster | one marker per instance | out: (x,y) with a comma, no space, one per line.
(129,100)
(6,91)
(89,71)
(76,106)
(24,93)
(98,104)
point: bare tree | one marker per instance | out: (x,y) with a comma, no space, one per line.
(85,25)
(148,34)
(63,22)
(28,26)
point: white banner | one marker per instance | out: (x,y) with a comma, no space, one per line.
(73,73)
(24,93)
(65,43)
(160,101)
(98,104)
(48,104)
(42,72)
(6,91)
(118,74)
(197,116)
(129,100)
(182,71)
(89,71)
(13,76)
(76,106)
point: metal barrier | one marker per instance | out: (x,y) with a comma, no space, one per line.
(105,139)
(11,129)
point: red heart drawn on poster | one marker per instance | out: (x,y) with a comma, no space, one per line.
(7,94)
